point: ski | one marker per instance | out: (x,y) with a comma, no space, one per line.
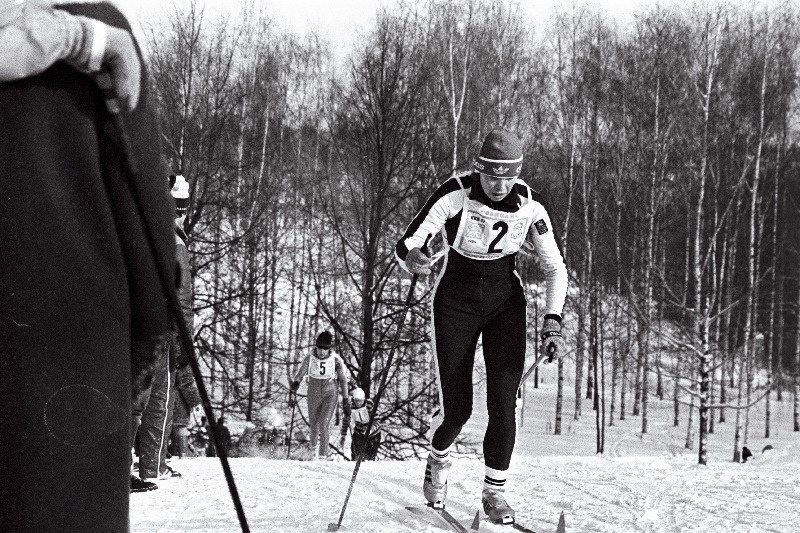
(519,527)
(511,525)
(445,518)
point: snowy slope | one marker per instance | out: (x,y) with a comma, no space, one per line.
(648,484)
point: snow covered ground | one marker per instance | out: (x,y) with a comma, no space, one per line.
(649,484)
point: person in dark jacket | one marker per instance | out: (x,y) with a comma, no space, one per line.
(154,407)
(82,303)
(224,434)
(185,396)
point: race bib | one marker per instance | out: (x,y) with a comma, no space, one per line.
(360,415)
(322,368)
(486,234)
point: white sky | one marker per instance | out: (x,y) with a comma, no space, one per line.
(342,20)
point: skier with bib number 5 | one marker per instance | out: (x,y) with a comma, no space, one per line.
(324,370)
(485,217)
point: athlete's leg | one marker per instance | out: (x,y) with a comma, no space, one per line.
(504,355)
(152,431)
(327,408)
(455,337)
(314,400)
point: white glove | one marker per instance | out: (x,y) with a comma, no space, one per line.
(113,50)
(417,262)
(33,36)
(122,61)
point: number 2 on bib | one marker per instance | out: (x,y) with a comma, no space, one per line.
(503,227)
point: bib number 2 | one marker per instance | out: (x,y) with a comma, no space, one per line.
(503,229)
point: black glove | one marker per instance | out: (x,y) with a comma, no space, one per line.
(294,385)
(552,341)
(292,401)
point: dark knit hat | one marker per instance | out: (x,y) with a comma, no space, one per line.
(500,155)
(180,192)
(324,340)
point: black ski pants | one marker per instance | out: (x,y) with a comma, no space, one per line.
(463,310)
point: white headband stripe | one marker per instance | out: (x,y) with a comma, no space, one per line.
(518,160)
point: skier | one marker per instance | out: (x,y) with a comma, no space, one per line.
(485,216)
(324,370)
(153,408)
(81,303)
(362,443)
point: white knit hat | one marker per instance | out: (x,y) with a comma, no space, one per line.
(358,394)
(180,191)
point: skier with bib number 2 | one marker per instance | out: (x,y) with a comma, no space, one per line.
(485,216)
(324,370)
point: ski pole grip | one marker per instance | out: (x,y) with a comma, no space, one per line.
(551,352)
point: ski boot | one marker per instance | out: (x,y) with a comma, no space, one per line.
(168,473)
(435,485)
(496,507)
(140,485)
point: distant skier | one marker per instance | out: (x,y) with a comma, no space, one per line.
(324,370)
(362,443)
(153,406)
(485,216)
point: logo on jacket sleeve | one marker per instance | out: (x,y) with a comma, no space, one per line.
(541,226)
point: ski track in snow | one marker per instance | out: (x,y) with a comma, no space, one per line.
(649,484)
(596,495)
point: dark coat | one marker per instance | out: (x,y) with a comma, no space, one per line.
(78,288)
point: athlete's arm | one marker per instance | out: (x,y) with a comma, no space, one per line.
(550,260)
(428,221)
(303,370)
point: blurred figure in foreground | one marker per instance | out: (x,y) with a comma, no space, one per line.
(86,244)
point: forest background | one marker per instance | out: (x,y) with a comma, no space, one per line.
(667,149)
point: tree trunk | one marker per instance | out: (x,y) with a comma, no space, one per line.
(796,402)
(748,354)
(772,331)
(580,355)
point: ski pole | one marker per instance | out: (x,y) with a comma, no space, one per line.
(550,354)
(114,107)
(381,388)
